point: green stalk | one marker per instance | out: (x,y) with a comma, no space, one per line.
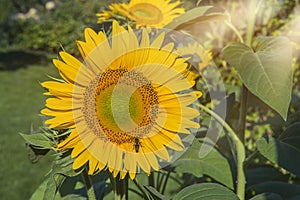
(151,180)
(158,181)
(140,188)
(250,158)
(240,152)
(165,182)
(121,191)
(251,23)
(244,93)
(89,186)
(243,114)
(232,27)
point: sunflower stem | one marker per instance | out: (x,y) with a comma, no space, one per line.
(251,157)
(158,181)
(121,192)
(89,185)
(243,114)
(240,152)
(251,22)
(140,188)
(243,102)
(151,179)
(165,182)
(233,28)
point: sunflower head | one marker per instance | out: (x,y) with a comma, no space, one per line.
(157,13)
(127,103)
(199,57)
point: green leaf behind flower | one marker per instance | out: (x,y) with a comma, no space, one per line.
(197,15)
(155,194)
(265,71)
(206,191)
(281,153)
(267,196)
(285,190)
(213,164)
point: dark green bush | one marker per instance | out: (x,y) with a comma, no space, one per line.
(51,30)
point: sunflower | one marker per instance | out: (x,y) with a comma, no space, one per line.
(125,103)
(156,13)
(198,54)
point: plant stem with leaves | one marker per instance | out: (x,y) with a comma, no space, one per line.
(121,192)
(89,185)
(240,152)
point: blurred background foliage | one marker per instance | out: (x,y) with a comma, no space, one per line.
(32,32)
(46,25)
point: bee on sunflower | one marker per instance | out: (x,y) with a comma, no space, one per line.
(127,102)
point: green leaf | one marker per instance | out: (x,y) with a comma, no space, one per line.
(74,197)
(206,191)
(284,154)
(197,15)
(38,139)
(155,194)
(267,71)
(63,165)
(61,168)
(291,131)
(53,184)
(213,164)
(262,174)
(285,190)
(267,196)
(40,192)
(293,141)
(295,197)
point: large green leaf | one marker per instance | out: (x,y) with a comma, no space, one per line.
(284,154)
(265,71)
(197,15)
(40,192)
(206,191)
(53,184)
(267,196)
(292,130)
(213,164)
(285,190)
(155,194)
(74,197)
(262,174)
(295,197)
(61,168)
(291,135)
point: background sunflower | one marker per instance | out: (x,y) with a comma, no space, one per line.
(157,13)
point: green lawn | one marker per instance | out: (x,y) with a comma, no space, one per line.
(21,99)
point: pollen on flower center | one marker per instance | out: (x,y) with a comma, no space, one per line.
(145,13)
(125,105)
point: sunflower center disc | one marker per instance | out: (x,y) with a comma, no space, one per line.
(126,105)
(145,13)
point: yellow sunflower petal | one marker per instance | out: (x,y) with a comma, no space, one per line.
(70,142)
(81,159)
(58,89)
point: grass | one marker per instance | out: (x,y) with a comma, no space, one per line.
(20,103)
